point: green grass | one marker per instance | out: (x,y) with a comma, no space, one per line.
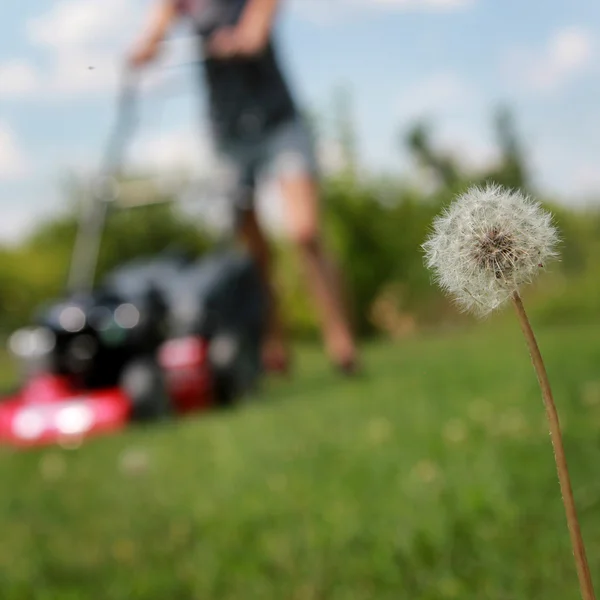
(431,478)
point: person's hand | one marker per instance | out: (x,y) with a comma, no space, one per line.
(143,53)
(230,42)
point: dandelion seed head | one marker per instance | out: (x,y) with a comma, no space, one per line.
(488,243)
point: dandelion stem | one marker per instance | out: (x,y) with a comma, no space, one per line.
(583,570)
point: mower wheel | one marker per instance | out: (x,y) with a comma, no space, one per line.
(235,377)
(143,383)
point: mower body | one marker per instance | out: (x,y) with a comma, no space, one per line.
(158,337)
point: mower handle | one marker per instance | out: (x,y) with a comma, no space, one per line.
(87,243)
(125,121)
(104,189)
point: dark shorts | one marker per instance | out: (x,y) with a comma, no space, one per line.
(286,151)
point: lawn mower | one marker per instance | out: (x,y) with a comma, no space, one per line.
(156,337)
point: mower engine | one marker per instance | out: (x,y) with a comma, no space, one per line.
(182,353)
(215,323)
(91,338)
(88,366)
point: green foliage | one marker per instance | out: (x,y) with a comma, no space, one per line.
(375,225)
(432,478)
(376,229)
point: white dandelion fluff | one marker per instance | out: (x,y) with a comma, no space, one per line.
(488,243)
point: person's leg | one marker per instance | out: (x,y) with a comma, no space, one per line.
(275,350)
(295,167)
(301,199)
(240,163)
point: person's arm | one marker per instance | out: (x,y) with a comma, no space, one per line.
(161,18)
(251,35)
(257,21)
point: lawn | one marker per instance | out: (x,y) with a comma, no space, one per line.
(430,478)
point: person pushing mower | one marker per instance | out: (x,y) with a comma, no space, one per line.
(257,129)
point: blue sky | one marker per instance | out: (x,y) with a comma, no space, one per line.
(452,60)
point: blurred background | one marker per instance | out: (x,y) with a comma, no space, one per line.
(437,480)
(409,102)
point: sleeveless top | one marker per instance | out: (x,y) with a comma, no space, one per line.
(247,96)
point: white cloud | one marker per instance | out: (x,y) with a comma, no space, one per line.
(84,42)
(76,24)
(12,162)
(18,222)
(329,11)
(69,75)
(15,224)
(17,78)
(414,4)
(570,49)
(437,93)
(567,54)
